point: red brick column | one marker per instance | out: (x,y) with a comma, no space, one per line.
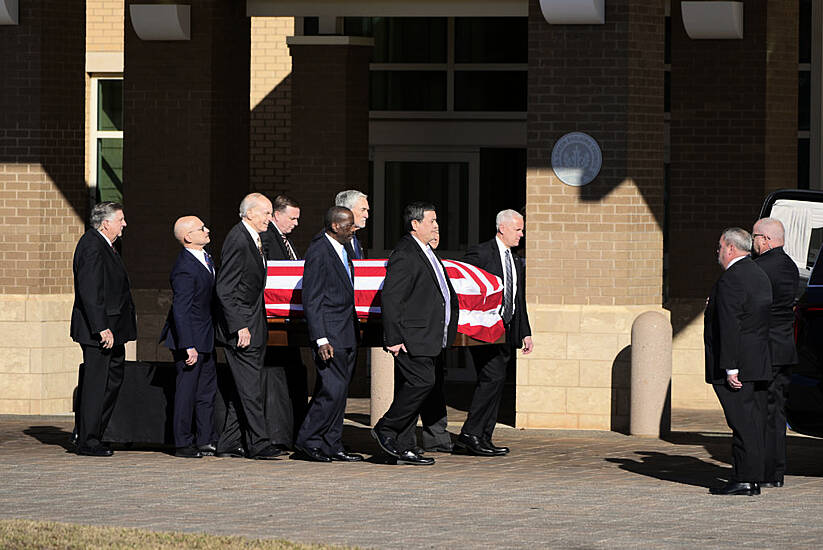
(733,134)
(185,151)
(594,253)
(330,123)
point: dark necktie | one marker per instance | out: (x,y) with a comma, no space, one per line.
(287,244)
(209,263)
(508,291)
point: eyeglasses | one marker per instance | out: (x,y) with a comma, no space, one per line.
(201,228)
(755,235)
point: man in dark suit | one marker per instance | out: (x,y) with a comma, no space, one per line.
(328,302)
(490,361)
(189,334)
(102,321)
(420,312)
(738,365)
(358,203)
(285,395)
(243,330)
(768,235)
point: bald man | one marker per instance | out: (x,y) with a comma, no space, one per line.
(768,235)
(189,334)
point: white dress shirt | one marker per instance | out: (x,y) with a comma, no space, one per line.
(200,254)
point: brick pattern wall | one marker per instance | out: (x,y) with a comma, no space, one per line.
(330,132)
(43,196)
(104,25)
(733,134)
(270,104)
(600,244)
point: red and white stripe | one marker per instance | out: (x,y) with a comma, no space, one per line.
(480,294)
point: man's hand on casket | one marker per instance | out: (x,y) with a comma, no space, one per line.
(394,350)
(326,352)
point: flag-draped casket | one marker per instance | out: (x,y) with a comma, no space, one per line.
(480,294)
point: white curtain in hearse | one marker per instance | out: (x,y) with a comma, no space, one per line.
(799,219)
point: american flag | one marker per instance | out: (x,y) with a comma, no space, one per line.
(480,294)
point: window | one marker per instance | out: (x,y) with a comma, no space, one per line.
(106,140)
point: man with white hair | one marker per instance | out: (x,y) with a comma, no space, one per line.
(243,329)
(738,365)
(491,361)
(768,235)
(358,203)
(102,321)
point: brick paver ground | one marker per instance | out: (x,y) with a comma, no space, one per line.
(561,489)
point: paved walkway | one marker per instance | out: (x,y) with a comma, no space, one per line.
(557,489)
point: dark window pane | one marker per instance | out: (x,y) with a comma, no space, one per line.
(444,184)
(667,92)
(311,26)
(804,95)
(805,49)
(502,186)
(667,44)
(110,105)
(110,170)
(491,40)
(402,39)
(803,163)
(407,90)
(490,90)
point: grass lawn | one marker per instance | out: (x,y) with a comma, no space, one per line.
(23,534)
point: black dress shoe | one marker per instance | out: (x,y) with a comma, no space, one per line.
(473,445)
(207,450)
(771,484)
(98,450)
(314,454)
(236,452)
(343,456)
(737,488)
(499,451)
(188,452)
(269,452)
(387,443)
(410,457)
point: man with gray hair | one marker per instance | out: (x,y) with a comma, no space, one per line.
(768,235)
(738,365)
(102,321)
(358,203)
(491,361)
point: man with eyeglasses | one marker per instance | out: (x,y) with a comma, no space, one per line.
(189,334)
(768,234)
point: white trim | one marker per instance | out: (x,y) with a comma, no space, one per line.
(332,40)
(388,8)
(104,62)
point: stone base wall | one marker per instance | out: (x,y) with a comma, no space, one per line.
(38,360)
(577,377)
(689,388)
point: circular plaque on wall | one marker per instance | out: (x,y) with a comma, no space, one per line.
(576,159)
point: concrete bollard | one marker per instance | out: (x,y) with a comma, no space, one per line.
(382,383)
(651,375)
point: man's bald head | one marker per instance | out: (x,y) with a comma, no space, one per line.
(768,233)
(191,232)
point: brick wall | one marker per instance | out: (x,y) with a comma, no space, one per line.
(104,25)
(270,104)
(330,132)
(599,244)
(43,197)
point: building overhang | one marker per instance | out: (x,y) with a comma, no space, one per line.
(387,8)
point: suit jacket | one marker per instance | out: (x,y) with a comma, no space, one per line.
(273,245)
(102,293)
(785,279)
(413,307)
(486,256)
(358,250)
(736,330)
(189,323)
(239,287)
(328,295)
